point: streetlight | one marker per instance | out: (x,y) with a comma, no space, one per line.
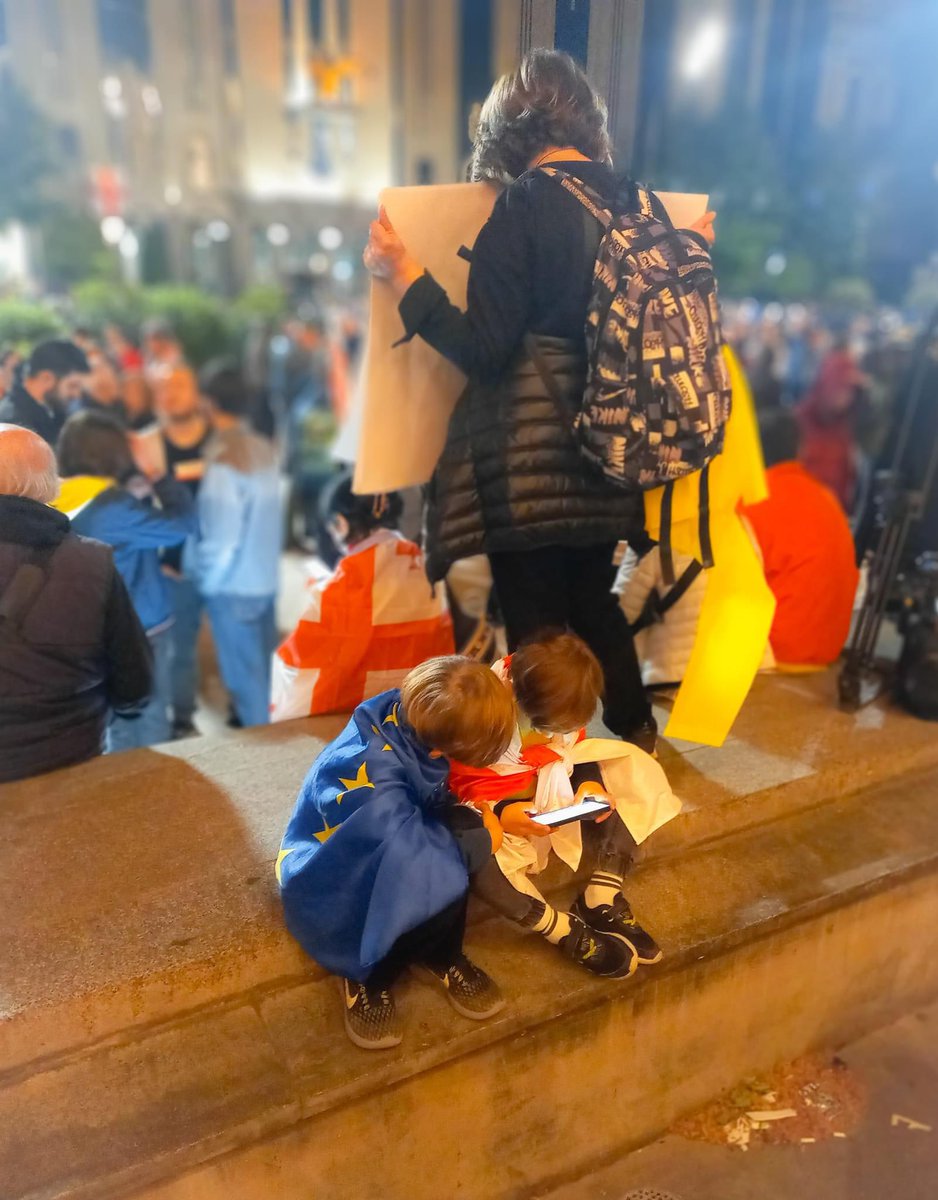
(113,229)
(704,50)
(278,234)
(330,238)
(129,245)
(776,263)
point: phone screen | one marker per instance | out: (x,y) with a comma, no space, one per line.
(575,812)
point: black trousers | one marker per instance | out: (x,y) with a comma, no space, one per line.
(607,846)
(567,587)
(437,942)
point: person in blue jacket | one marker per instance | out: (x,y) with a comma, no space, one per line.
(374,866)
(106,498)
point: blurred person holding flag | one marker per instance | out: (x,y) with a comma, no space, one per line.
(368,622)
(107,497)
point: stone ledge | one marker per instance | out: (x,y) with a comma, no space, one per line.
(798,932)
(138,888)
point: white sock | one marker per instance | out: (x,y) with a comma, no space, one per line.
(602,888)
(553,925)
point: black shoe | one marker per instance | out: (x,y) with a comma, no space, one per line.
(597,952)
(470,991)
(617,919)
(371,1019)
(645,737)
(184,729)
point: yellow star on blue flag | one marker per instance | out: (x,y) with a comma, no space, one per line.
(361,780)
(324,834)
(280,857)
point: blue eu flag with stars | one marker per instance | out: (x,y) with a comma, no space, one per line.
(366,856)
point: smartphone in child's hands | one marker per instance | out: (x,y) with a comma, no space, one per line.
(589,810)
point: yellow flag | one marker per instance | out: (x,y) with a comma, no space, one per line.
(79,491)
(738,606)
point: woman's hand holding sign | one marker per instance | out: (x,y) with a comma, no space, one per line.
(386,256)
(704,226)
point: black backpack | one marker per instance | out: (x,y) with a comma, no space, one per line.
(657,398)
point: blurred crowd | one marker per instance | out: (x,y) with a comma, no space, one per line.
(195,479)
(838,373)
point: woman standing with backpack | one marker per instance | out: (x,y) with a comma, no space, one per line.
(511,481)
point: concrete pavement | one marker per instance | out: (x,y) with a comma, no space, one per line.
(880,1161)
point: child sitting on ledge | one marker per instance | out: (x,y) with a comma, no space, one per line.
(375,863)
(550,764)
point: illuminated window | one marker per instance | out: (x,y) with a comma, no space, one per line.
(321,147)
(314,11)
(70,144)
(286,17)
(124,31)
(200,172)
(229,38)
(51,19)
(195,65)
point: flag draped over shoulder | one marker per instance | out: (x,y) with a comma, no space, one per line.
(366,857)
(78,491)
(364,628)
(738,607)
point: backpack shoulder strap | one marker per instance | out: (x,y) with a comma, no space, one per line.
(23,590)
(650,205)
(590,199)
(690,575)
(657,607)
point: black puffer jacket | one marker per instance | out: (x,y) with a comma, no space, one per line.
(511,476)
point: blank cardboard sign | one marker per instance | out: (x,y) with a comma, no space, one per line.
(398,425)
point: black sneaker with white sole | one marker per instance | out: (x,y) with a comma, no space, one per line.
(371,1019)
(618,920)
(470,991)
(597,952)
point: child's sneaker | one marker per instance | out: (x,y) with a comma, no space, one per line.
(597,952)
(371,1019)
(617,919)
(470,991)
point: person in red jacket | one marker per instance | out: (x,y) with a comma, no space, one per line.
(807,551)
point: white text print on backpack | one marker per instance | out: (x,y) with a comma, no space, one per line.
(657,398)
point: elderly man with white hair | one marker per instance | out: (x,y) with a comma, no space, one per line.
(71,646)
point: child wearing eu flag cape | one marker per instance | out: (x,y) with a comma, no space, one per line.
(374,867)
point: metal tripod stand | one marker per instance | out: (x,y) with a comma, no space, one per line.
(860,678)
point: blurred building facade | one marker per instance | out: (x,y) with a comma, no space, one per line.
(225,141)
(798,64)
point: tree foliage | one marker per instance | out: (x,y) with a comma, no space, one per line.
(27,154)
(24,323)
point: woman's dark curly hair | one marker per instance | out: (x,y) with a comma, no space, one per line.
(546,101)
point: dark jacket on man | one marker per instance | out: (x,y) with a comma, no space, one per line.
(76,653)
(19,408)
